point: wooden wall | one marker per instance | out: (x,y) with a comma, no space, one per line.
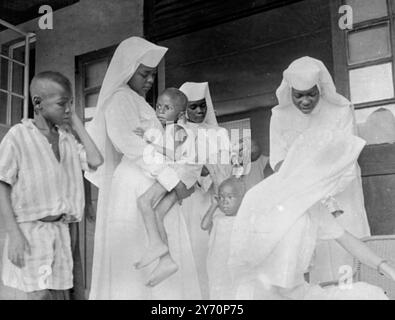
(243,60)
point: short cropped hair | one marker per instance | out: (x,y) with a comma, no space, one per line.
(236,183)
(55,77)
(180,98)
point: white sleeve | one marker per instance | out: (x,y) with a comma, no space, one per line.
(278,147)
(121,120)
(347,123)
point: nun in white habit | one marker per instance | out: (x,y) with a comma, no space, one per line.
(308,99)
(281,219)
(201,116)
(120,236)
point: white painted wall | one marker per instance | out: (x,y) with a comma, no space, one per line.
(80,28)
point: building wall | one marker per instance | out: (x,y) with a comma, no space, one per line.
(80,28)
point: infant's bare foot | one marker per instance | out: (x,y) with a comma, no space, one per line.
(153,253)
(164,270)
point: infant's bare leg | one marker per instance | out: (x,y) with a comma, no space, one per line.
(146,204)
(166,266)
(163,207)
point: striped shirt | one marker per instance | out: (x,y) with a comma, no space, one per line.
(41,185)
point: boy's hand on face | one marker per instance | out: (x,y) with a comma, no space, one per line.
(214,200)
(17,247)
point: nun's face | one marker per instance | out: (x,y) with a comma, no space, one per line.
(197,111)
(142,80)
(306,101)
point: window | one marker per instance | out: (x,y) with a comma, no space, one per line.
(370,50)
(12,81)
(243,126)
(91,69)
(370,60)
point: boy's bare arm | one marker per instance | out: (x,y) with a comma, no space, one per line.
(93,155)
(363,253)
(18,244)
(207,221)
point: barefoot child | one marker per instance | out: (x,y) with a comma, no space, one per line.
(278,225)
(41,189)
(219,222)
(177,145)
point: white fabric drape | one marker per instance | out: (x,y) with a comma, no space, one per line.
(268,234)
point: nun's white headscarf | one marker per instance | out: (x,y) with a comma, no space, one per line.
(305,73)
(128,56)
(197,91)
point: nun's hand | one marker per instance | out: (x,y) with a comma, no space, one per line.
(182,191)
(139,131)
(205,172)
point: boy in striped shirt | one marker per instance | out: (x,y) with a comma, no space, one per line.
(41,189)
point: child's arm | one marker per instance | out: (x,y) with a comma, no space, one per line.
(163,150)
(207,221)
(364,254)
(158,148)
(93,155)
(18,244)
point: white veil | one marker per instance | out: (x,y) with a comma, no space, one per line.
(303,74)
(128,56)
(199,90)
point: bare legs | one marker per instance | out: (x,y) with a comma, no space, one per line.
(166,266)
(146,204)
(154,222)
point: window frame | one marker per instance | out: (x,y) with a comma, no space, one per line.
(343,77)
(10,60)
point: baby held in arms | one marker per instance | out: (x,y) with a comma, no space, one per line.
(175,144)
(219,222)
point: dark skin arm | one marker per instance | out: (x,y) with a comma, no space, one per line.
(207,221)
(18,244)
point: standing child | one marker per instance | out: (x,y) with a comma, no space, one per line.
(219,222)
(41,189)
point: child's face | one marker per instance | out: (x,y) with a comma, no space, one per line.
(142,80)
(56,105)
(197,111)
(167,109)
(229,200)
(306,101)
